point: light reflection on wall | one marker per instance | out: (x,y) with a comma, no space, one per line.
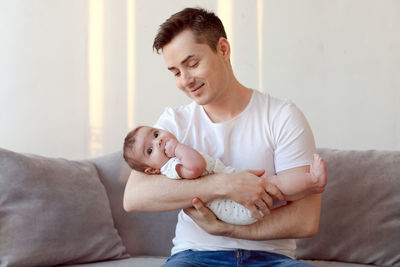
(260,43)
(130,63)
(96,74)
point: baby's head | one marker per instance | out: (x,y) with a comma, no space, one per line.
(144,149)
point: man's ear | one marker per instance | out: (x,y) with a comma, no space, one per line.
(224,48)
(149,170)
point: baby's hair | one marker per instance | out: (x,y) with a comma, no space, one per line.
(130,140)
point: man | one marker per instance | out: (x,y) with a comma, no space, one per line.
(245,129)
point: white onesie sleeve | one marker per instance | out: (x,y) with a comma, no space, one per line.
(169,168)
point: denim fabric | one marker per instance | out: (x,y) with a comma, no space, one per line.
(230,258)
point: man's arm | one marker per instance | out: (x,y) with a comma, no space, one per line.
(157,193)
(297,219)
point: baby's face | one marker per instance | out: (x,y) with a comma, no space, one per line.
(149,146)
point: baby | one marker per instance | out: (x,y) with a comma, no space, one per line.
(156,151)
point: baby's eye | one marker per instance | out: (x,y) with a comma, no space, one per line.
(149,150)
(156,134)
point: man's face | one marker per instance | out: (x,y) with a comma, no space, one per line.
(150,146)
(199,72)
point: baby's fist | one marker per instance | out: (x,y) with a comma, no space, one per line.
(170,147)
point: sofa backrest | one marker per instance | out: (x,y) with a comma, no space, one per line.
(53,212)
(360,216)
(143,233)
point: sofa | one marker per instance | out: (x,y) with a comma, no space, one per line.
(56,211)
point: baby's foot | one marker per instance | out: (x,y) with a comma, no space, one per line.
(318,172)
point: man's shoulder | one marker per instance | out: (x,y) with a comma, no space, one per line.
(272,103)
(182,108)
(175,117)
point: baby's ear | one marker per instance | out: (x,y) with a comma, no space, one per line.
(151,171)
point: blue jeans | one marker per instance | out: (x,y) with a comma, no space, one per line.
(230,258)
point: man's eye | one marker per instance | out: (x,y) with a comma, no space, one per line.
(194,64)
(156,134)
(149,150)
(176,74)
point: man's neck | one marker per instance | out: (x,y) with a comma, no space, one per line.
(229,104)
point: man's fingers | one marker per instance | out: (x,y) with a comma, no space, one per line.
(267,199)
(262,207)
(197,207)
(258,173)
(197,203)
(189,211)
(200,211)
(265,204)
(273,190)
(200,207)
(255,212)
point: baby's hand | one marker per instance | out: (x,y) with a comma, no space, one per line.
(170,147)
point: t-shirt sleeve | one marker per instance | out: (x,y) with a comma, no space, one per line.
(294,140)
(174,120)
(167,121)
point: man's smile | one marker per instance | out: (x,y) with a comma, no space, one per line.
(197,88)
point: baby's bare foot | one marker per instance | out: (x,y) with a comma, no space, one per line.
(318,172)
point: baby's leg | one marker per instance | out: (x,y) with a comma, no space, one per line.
(295,187)
(318,172)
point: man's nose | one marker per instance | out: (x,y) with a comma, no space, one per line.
(187,80)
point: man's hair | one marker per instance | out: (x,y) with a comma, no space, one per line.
(130,140)
(206,27)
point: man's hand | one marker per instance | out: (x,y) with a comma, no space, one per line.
(252,191)
(302,221)
(206,219)
(170,147)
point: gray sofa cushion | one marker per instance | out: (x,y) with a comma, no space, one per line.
(360,209)
(143,233)
(150,261)
(53,211)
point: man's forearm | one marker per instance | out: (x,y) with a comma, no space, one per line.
(158,193)
(296,220)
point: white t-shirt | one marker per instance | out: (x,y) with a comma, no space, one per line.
(270,134)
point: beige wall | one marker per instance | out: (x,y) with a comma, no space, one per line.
(338,60)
